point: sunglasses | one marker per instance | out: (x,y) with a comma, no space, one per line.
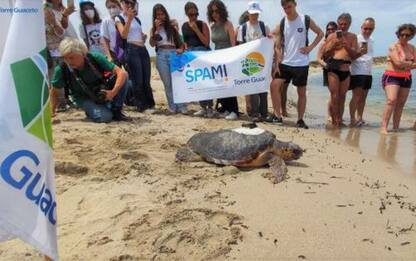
(368,29)
(194,14)
(331,29)
(406,35)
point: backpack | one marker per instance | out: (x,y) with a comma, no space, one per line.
(282,29)
(244,30)
(121,44)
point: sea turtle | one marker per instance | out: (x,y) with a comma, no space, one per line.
(241,147)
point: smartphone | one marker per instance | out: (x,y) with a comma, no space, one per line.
(339,34)
(70,3)
(364,44)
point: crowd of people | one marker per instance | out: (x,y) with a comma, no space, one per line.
(110,65)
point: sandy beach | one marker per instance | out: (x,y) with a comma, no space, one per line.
(122,196)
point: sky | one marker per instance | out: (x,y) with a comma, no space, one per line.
(387,13)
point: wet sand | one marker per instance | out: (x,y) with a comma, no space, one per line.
(396,148)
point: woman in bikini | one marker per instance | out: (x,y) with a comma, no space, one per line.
(397,79)
(331,27)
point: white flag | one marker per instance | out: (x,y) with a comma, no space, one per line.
(27,185)
(237,71)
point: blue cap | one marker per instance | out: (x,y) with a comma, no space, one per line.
(83,2)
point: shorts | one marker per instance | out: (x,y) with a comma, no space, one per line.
(297,74)
(403,82)
(362,81)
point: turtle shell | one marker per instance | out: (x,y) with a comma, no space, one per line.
(229,147)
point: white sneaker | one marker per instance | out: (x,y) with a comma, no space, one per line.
(201,112)
(232,116)
(184,111)
(150,111)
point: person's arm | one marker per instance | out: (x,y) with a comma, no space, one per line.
(125,29)
(105,43)
(278,45)
(319,35)
(57,83)
(413,66)
(54,100)
(105,39)
(120,80)
(396,60)
(65,14)
(353,49)
(320,56)
(331,43)
(230,30)
(50,20)
(204,35)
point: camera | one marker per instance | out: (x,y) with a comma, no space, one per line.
(339,34)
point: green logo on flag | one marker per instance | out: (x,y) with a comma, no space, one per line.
(31,81)
(253,64)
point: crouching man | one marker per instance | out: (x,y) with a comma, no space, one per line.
(96,85)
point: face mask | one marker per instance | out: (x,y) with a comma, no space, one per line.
(89,13)
(114,11)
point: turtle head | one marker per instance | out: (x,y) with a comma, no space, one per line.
(187,155)
(288,150)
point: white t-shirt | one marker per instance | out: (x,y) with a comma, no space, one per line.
(135,32)
(364,64)
(253,32)
(93,36)
(295,39)
(109,31)
(164,38)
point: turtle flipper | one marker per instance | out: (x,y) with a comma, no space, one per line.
(278,168)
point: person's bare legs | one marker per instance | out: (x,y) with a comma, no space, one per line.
(248,105)
(301,101)
(356,92)
(401,100)
(361,105)
(392,92)
(333,86)
(329,117)
(275,93)
(343,89)
(283,91)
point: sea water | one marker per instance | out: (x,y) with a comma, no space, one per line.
(398,148)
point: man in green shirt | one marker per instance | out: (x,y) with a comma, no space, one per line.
(83,77)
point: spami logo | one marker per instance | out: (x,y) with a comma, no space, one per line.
(215,73)
(30,77)
(253,64)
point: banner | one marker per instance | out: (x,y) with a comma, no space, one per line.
(237,71)
(27,186)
